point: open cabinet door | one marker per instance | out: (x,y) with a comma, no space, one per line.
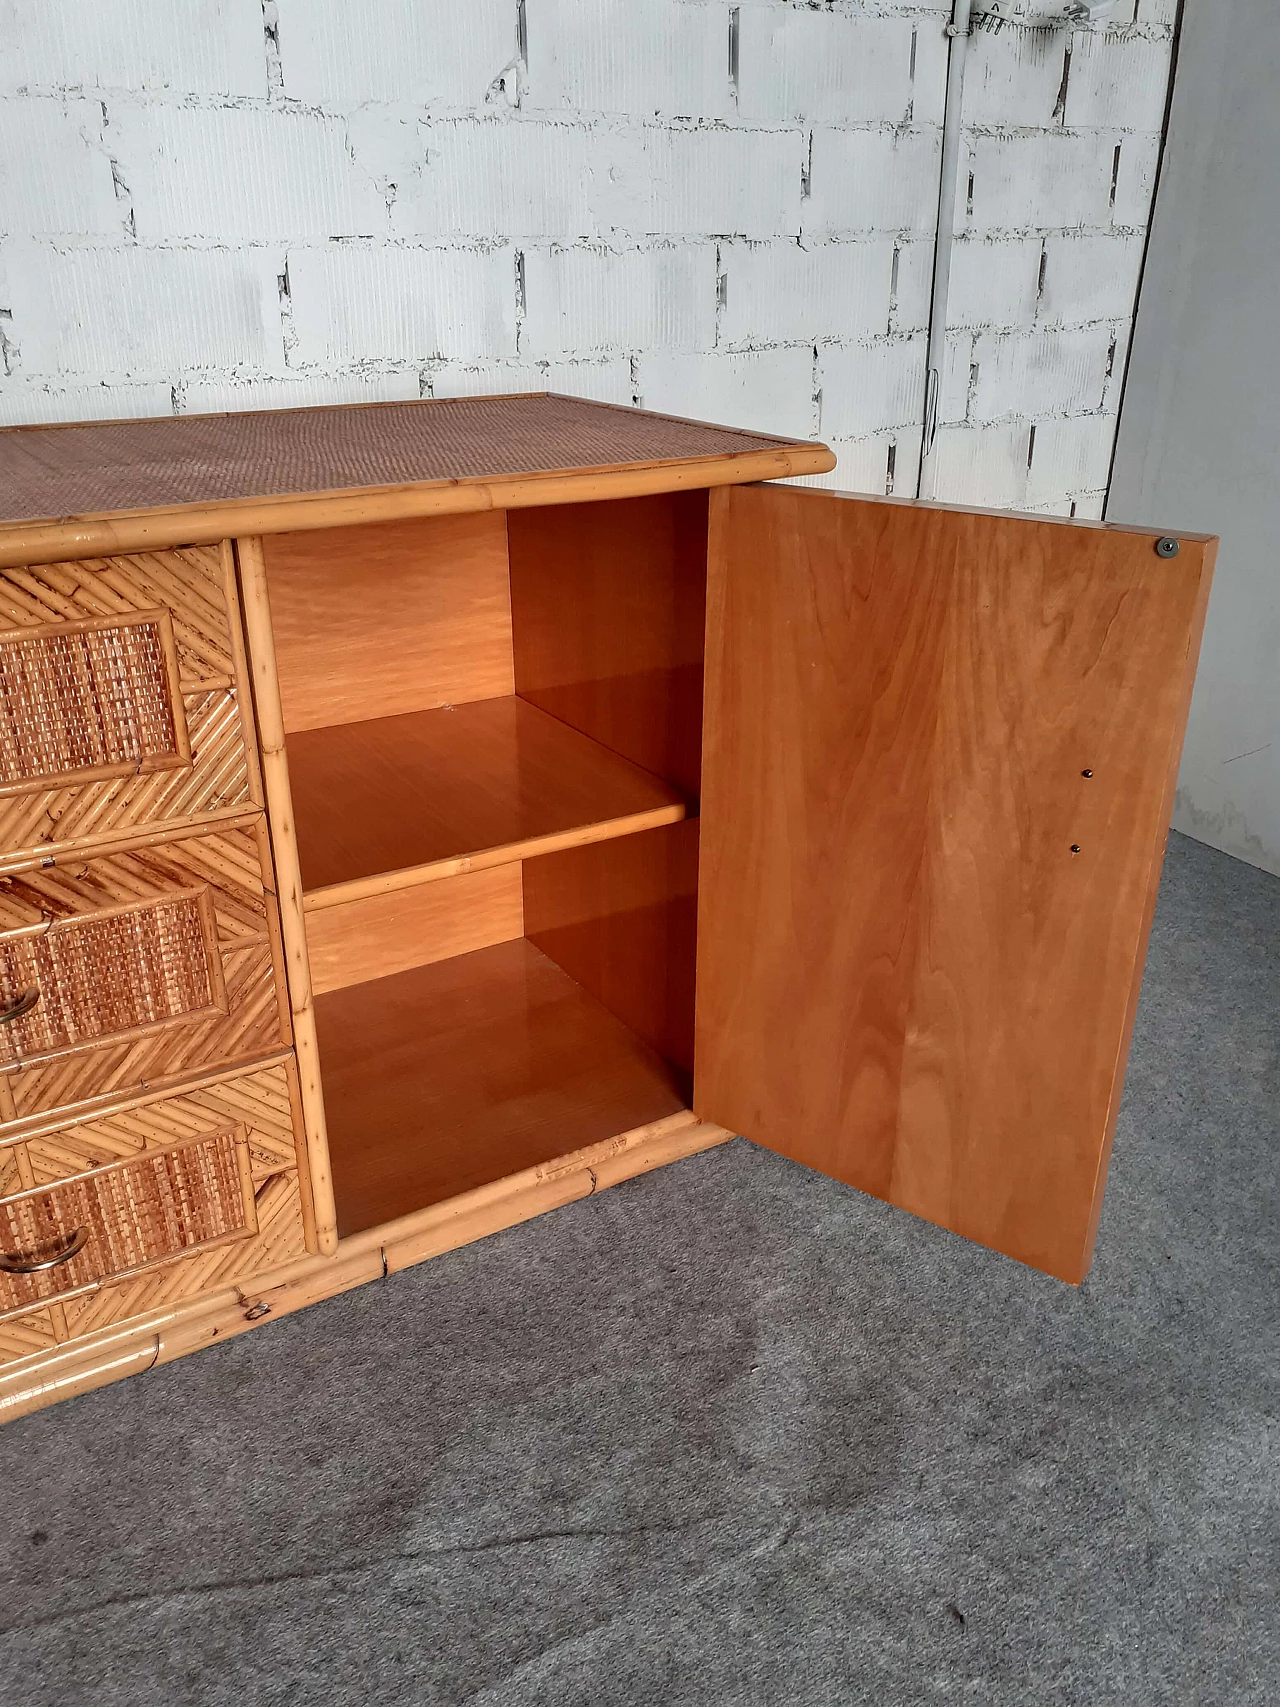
(939,757)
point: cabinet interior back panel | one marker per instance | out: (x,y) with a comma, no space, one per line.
(390,617)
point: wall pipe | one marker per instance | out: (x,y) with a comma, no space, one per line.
(959,31)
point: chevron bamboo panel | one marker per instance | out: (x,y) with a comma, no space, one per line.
(126,1218)
(24,1336)
(13,1176)
(259,1100)
(230,870)
(279,1239)
(90,691)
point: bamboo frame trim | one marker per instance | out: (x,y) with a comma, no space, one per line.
(242,686)
(509,853)
(158,1090)
(275,775)
(162,1335)
(128,840)
(127,531)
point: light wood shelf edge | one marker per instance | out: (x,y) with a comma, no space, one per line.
(509,853)
(51,541)
(173,1331)
(275,777)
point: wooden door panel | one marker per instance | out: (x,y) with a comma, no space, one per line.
(939,755)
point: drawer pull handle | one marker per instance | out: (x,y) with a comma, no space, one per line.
(22,1004)
(44,1256)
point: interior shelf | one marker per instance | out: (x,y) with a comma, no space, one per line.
(451,1075)
(427,794)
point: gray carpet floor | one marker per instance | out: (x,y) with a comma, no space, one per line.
(727,1434)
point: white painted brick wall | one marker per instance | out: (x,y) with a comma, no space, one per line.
(1090,276)
(592,300)
(870,387)
(1062,145)
(722,208)
(873,180)
(617,56)
(829,68)
(55,170)
(392,52)
(781,292)
(768,390)
(354,303)
(195,47)
(78,309)
(241,175)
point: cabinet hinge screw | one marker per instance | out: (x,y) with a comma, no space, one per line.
(1167,547)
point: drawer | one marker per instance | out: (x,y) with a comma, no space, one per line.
(121,686)
(178,1194)
(59,1241)
(126,969)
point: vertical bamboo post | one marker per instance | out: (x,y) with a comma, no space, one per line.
(275,778)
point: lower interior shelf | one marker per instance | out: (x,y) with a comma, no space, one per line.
(448,1076)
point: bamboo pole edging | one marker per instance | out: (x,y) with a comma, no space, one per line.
(51,540)
(275,776)
(127,840)
(172,1331)
(160,1090)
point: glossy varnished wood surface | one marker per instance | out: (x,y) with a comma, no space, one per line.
(621,917)
(398,793)
(441,1079)
(608,606)
(939,760)
(378,935)
(393,617)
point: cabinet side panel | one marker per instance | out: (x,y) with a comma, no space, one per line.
(937,772)
(608,606)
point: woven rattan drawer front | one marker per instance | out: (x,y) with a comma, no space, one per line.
(59,1241)
(110,974)
(83,701)
(127,969)
(121,681)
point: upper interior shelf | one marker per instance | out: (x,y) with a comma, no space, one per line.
(427,794)
(132,485)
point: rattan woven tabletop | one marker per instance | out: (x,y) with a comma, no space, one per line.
(108,467)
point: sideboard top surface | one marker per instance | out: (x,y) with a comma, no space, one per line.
(129,485)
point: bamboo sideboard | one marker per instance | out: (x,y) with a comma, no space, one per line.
(415,817)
